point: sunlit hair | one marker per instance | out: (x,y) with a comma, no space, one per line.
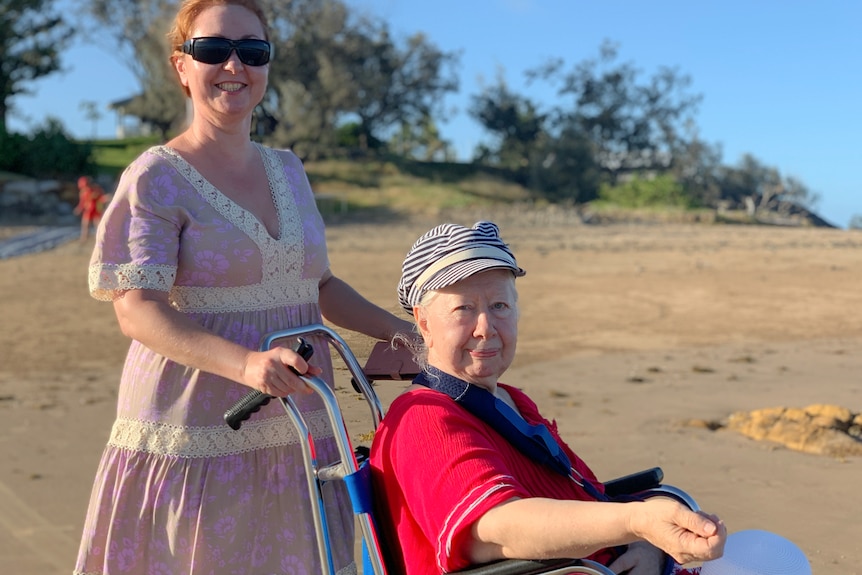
(190,10)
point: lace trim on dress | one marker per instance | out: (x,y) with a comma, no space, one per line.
(196,442)
(288,212)
(106,280)
(244,298)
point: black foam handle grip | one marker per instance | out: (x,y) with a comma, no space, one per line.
(242,409)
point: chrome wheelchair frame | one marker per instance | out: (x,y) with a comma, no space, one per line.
(356,476)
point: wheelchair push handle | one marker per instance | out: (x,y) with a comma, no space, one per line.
(253,401)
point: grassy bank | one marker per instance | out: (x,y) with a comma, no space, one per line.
(112,156)
(391,188)
(369,187)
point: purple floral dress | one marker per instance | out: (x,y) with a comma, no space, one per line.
(177,491)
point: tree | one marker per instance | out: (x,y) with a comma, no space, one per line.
(563,166)
(309,87)
(136,31)
(334,68)
(614,123)
(31,41)
(514,121)
(393,85)
(421,141)
(697,166)
(555,161)
(92,113)
(329,68)
(633,125)
(796,191)
(761,188)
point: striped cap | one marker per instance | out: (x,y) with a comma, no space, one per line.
(448,254)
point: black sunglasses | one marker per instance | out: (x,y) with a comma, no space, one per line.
(213,50)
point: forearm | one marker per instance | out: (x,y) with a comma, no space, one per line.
(149,319)
(343,306)
(538,528)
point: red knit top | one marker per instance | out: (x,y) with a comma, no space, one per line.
(437,468)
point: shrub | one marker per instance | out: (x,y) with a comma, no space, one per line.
(11,150)
(661,191)
(47,153)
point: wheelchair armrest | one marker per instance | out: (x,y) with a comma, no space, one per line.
(634,483)
(646,484)
(672,492)
(547,567)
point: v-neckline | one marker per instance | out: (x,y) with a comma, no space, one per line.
(203,181)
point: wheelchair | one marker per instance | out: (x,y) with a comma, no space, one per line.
(354,471)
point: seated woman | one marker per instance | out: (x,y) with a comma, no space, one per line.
(456,491)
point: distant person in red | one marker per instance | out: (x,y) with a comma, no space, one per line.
(91,201)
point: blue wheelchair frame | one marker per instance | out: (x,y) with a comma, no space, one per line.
(354,471)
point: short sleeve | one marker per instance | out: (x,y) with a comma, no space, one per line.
(138,240)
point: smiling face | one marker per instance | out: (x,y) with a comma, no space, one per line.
(229,91)
(471,328)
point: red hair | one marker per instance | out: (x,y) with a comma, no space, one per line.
(190,10)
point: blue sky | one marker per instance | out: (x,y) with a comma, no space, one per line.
(780,79)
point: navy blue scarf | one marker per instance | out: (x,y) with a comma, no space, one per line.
(534,441)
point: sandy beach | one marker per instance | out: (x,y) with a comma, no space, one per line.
(628,334)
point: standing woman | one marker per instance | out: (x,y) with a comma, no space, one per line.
(211,242)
